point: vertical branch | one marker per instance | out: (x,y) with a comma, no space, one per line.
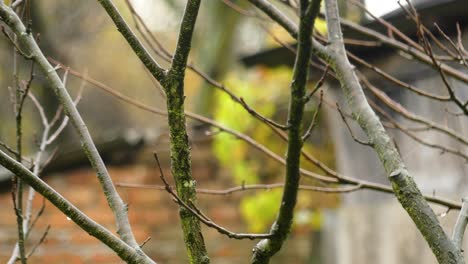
(180,149)
(266,248)
(405,188)
(18,202)
(173,84)
(115,202)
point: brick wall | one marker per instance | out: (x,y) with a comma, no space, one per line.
(152,214)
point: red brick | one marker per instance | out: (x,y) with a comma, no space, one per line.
(141,233)
(225,251)
(143,197)
(224,213)
(8,216)
(135,174)
(103,216)
(105,259)
(82,196)
(57,258)
(152,213)
(83,238)
(39,200)
(57,219)
(156,216)
(81,177)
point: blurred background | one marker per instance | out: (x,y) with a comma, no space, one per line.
(231,45)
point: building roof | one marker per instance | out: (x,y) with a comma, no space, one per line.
(446,13)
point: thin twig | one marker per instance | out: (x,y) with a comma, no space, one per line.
(15,44)
(406,190)
(199,118)
(126,252)
(249,187)
(203,218)
(313,123)
(331,175)
(398,108)
(144,242)
(362,142)
(115,202)
(41,240)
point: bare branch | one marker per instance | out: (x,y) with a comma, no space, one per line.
(266,248)
(248,187)
(365,143)
(420,140)
(460,225)
(126,252)
(198,214)
(421,56)
(41,240)
(115,202)
(200,118)
(398,108)
(173,85)
(398,82)
(313,123)
(405,188)
(166,55)
(15,44)
(332,176)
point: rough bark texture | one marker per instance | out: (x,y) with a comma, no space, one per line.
(182,173)
(173,84)
(180,148)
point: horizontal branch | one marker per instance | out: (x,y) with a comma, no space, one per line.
(405,48)
(330,177)
(194,116)
(248,187)
(202,217)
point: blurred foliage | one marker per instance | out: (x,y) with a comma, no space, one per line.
(260,210)
(267,91)
(321,26)
(262,92)
(308,219)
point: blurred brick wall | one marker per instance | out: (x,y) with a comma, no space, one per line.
(152,214)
